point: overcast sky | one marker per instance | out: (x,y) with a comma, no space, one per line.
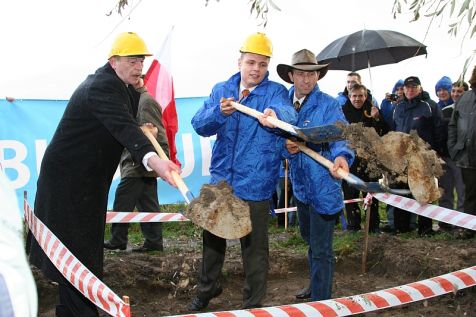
(50,46)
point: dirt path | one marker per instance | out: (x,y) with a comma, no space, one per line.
(163,283)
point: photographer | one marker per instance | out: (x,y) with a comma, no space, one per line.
(388,104)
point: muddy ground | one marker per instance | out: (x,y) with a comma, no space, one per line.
(163,283)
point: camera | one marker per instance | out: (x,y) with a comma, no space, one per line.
(393,97)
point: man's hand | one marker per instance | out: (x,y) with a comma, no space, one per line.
(339,162)
(153,129)
(292,147)
(226,106)
(267,113)
(374,113)
(163,168)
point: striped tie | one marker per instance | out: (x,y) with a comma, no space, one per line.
(297,105)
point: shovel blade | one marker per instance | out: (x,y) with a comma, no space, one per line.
(321,134)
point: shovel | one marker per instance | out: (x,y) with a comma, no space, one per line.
(317,134)
(217,209)
(370,187)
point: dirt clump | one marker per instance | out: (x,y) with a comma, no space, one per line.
(219,211)
(400,158)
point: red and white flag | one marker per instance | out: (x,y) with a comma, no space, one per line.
(159,83)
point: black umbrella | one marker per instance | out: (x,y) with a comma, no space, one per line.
(367,48)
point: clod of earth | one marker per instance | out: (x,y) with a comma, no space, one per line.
(400,158)
(219,211)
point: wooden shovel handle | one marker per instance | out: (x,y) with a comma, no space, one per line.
(182,187)
(322,160)
(256,114)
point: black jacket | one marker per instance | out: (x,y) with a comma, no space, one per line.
(78,166)
(462,131)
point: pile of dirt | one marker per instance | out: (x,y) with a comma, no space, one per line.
(163,283)
(399,158)
(219,211)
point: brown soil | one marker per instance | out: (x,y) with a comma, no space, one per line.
(217,209)
(400,157)
(163,283)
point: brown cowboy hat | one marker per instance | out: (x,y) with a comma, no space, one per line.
(303,60)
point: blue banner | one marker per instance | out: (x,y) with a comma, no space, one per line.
(27,126)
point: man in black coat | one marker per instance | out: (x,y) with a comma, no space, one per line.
(79,163)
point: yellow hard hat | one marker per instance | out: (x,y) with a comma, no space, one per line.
(129,44)
(257,43)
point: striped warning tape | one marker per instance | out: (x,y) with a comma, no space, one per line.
(73,270)
(132,217)
(291,209)
(347,306)
(453,217)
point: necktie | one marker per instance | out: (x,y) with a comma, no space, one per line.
(244,94)
(297,105)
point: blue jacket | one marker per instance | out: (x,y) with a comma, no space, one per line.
(312,182)
(245,154)
(423,115)
(387,106)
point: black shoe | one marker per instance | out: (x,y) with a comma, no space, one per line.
(304,293)
(387,229)
(426,233)
(200,304)
(148,248)
(110,246)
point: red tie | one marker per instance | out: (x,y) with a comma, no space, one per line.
(244,94)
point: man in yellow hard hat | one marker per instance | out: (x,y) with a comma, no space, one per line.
(246,155)
(79,163)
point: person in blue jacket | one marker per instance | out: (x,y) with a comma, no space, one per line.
(317,190)
(391,100)
(246,154)
(443,92)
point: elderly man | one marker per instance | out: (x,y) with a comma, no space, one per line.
(317,190)
(417,112)
(79,163)
(246,155)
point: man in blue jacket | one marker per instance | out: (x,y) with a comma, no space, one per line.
(246,154)
(317,190)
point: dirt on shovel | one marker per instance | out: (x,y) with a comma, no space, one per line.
(219,211)
(400,158)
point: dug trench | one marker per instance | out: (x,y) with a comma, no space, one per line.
(163,283)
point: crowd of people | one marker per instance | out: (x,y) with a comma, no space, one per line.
(100,129)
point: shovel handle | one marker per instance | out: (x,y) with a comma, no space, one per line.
(322,160)
(256,114)
(182,187)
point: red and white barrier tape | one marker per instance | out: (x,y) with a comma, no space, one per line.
(453,217)
(347,306)
(132,217)
(291,209)
(73,270)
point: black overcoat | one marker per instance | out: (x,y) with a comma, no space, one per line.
(79,164)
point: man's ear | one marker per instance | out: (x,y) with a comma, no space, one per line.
(290,74)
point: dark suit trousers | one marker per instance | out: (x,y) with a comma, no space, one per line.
(254,252)
(140,193)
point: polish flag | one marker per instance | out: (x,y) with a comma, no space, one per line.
(159,83)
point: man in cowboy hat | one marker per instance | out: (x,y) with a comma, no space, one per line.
(317,190)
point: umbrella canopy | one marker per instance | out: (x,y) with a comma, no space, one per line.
(367,48)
